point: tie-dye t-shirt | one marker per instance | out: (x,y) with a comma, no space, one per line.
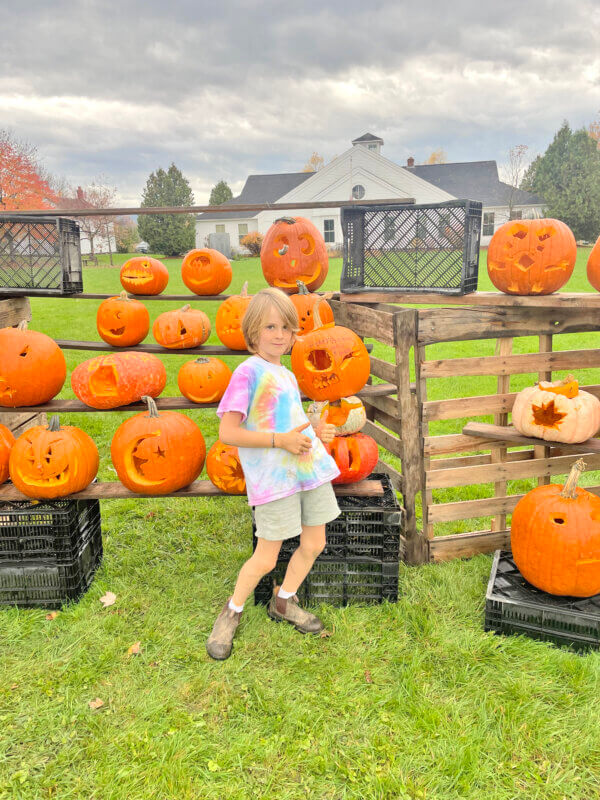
(268,397)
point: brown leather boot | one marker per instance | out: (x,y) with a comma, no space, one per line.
(289,610)
(220,641)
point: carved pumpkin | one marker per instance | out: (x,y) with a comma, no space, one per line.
(203,380)
(224,468)
(49,461)
(593,266)
(356,456)
(294,250)
(555,538)
(118,379)
(206,271)
(330,362)
(304,303)
(32,367)
(229,319)
(531,256)
(122,321)
(557,411)
(144,275)
(181,329)
(348,414)
(157,452)
(7,440)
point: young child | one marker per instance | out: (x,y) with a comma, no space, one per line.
(288,471)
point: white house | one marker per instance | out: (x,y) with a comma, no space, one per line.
(362,173)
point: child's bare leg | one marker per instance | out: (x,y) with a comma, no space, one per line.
(261,562)
(312,542)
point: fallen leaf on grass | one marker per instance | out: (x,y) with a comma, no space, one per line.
(97,703)
(325,634)
(134,650)
(108,599)
(52,615)
(150,514)
(368,677)
(154,663)
(14,686)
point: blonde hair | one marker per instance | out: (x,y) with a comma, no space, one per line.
(258,308)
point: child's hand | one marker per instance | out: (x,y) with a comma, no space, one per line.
(295,441)
(325,431)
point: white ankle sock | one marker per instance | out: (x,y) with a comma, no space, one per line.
(284,595)
(233,607)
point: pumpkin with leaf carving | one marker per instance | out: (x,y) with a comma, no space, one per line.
(557,411)
(224,468)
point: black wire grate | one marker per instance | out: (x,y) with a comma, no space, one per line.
(39,256)
(412,247)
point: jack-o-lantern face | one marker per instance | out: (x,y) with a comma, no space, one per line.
(206,271)
(224,468)
(144,275)
(294,250)
(530,257)
(156,453)
(181,329)
(348,414)
(50,461)
(118,379)
(7,441)
(32,367)
(356,457)
(228,321)
(304,303)
(203,380)
(122,321)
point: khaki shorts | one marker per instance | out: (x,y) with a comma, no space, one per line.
(284,518)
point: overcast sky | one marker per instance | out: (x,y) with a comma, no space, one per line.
(226,89)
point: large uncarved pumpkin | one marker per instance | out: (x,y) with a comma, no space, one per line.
(32,367)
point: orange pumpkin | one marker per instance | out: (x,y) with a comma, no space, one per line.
(156,453)
(122,321)
(330,362)
(229,319)
(593,266)
(184,328)
(118,379)
(531,256)
(348,414)
(206,271)
(294,250)
(555,538)
(224,468)
(144,275)
(32,367)
(49,461)
(304,303)
(203,380)
(356,456)
(7,440)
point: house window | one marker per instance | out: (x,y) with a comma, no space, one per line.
(488,223)
(219,228)
(242,231)
(358,192)
(329,230)
(389,229)
(516,214)
(372,147)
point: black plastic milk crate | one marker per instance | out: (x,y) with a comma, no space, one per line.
(39,256)
(369,528)
(338,583)
(514,606)
(420,248)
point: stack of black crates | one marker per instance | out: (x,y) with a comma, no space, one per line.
(49,551)
(360,561)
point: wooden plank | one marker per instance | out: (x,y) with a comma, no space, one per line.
(464,476)
(465,545)
(385,439)
(393,423)
(204,350)
(385,404)
(22,421)
(180,298)
(365,321)
(512,438)
(498,454)
(543,451)
(512,364)
(383,369)
(485,458)
(572,300)
(13,310)
(455,443)
(458,324)
(396,478)
(112,490)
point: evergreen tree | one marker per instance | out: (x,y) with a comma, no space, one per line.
(567,176)
(220,193)
(169,234)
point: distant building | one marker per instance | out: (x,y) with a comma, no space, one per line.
(101,243)
(362,173)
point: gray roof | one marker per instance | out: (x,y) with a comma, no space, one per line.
(474,180)
(260,189)
(368,137)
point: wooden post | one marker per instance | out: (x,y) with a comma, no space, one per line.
(421,387)
(498,454)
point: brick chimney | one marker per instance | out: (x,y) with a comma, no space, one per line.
(79,193)
(410,162)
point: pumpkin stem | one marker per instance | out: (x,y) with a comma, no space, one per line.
(22,326)
(150,402)
(569,489)
(302,288)
(289,220)
(186,307)
(54,424)
(202,360)
(316,316)
(283,250)
(123,296)
(244,292)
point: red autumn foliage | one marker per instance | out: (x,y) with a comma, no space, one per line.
(22,187)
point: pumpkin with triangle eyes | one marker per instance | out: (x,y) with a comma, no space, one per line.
(122,321)
(294,250)
(203,380)
(184,328)
(228,321)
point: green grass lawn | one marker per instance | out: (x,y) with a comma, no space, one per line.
(405,700)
